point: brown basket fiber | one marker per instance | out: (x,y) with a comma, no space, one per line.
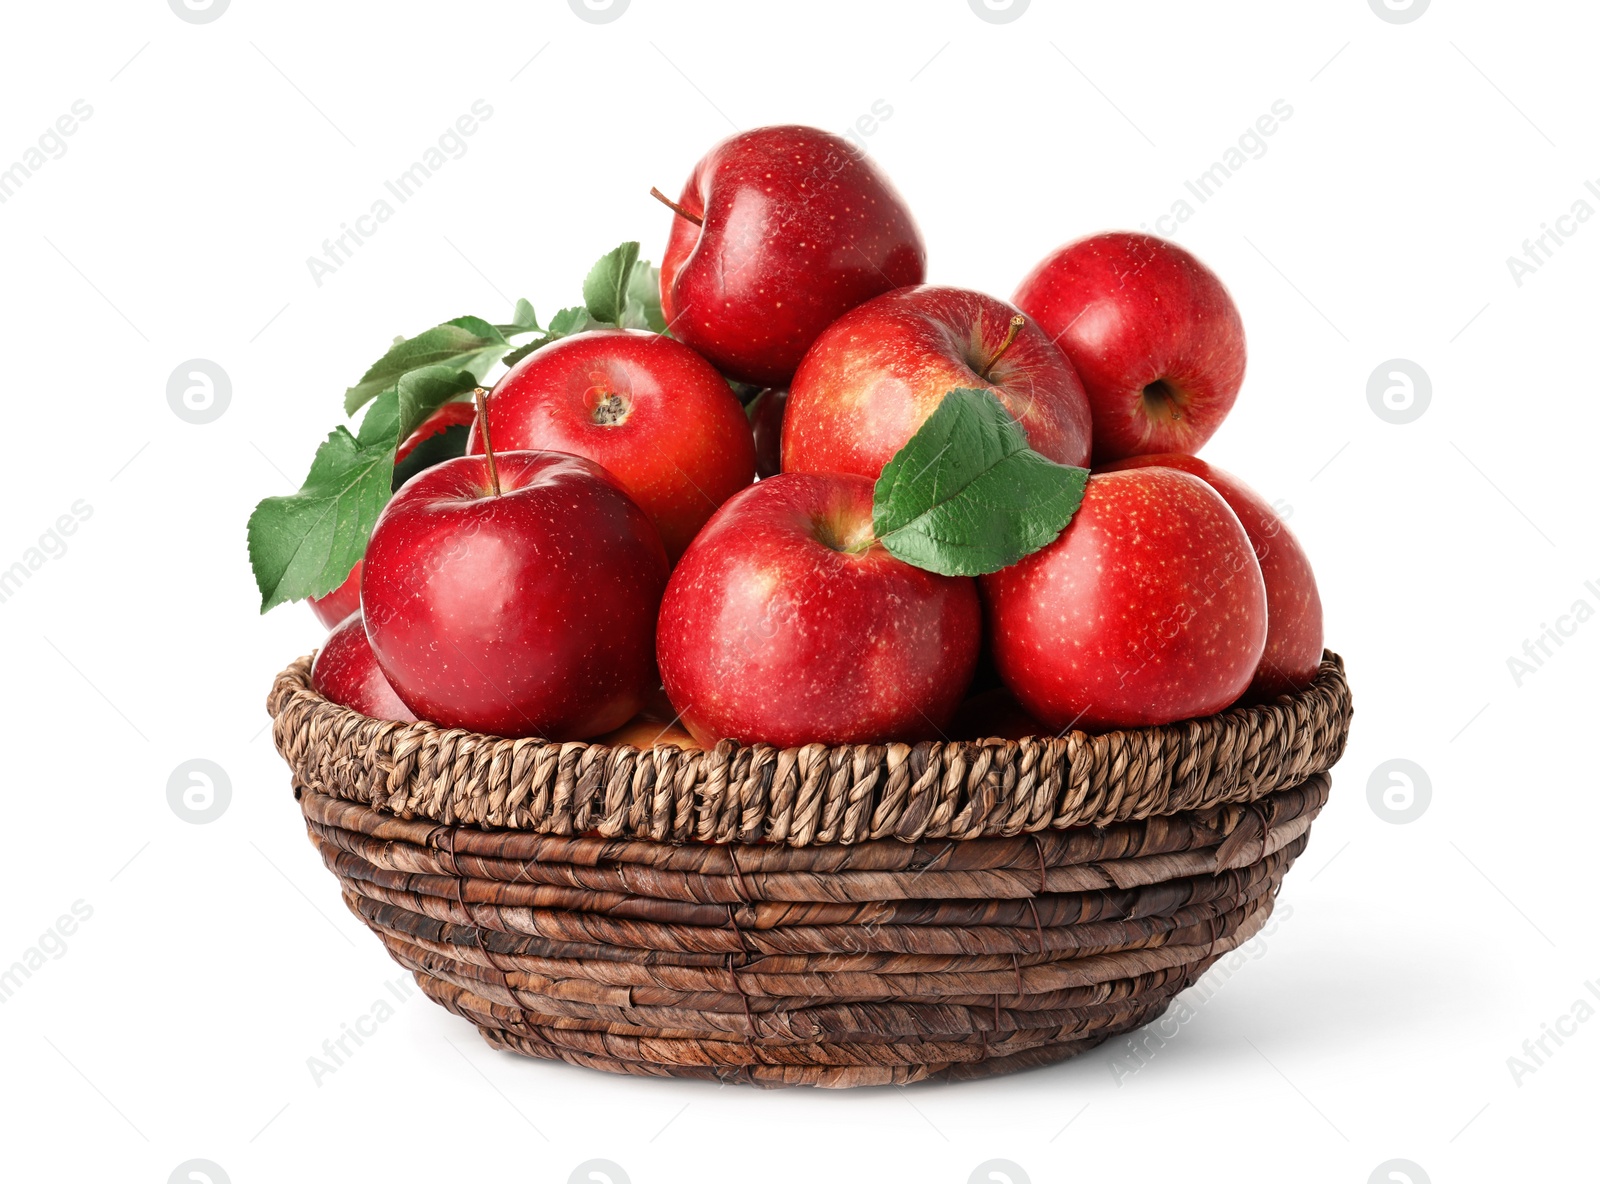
(859,915)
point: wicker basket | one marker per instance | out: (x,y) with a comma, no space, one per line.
(834,916)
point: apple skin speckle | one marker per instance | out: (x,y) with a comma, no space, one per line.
(760,243)
(1149,608)
(525,613)
(879,371)
(786,623)
(1293,651)
(1130,311)
(346,672)
(681,447)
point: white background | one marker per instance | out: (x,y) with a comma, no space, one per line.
(1377,1020)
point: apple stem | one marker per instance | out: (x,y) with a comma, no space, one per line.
(675,207)
(488,448)
(1011,335)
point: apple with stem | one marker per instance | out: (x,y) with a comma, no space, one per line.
(1147,609)
(787,623)
(346,672)
(1153,334)
(515,594)
(777,232)
(1293,651)
(880,370)
(646,408)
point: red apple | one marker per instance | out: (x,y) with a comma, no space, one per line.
(1153,334)
(346,672)
(526,609)
(333,608)
(766,425)
(787,623)
(1149,608)
(444,417)
(647,409)
(337,605)
(880,370)
(778,231)
(1294,609)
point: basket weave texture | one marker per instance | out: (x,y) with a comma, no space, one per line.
(836,916)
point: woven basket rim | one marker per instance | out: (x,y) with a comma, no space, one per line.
(816,794)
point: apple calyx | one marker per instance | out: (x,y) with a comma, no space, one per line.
(611,409)
(675,207)
(1161,395)
(488,446)
(1011,335)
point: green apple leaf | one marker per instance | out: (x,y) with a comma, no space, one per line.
(466,343)
(522,351)
(564,324)
(966,495)
(305,543)
(380,426)
(642,308)
(605,290)
(569,321)
(420,393)
(522,319)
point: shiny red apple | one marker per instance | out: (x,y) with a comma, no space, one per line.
(1153,334)
(646,408)
(346,598)
(778,231)
(1294,609)
(1149,608)
(787,623)
(346,672)
(525,608)
(880,370)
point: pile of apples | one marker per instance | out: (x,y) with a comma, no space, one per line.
(622,525)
